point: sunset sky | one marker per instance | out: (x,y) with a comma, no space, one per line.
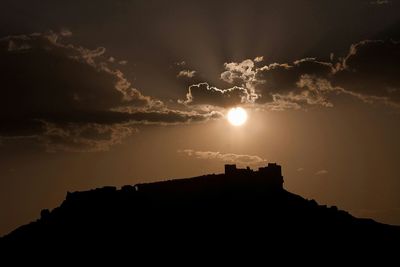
(97,93)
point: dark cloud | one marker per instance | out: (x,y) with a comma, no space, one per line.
(58,92)
(371,68)
(41,74)
(293,71)
(89,137)
(310,90)
(369,72)
(282,79)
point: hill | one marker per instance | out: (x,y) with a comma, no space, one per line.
(241,208)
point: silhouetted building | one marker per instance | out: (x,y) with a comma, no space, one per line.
(272,169)
(270,175)
(230,169)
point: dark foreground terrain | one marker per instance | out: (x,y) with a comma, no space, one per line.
(240,210)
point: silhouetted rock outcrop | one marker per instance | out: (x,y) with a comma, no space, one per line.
(239,209)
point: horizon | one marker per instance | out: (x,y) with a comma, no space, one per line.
(125,92)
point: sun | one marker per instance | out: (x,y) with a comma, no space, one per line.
(237,116)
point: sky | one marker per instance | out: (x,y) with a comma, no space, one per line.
(97,93)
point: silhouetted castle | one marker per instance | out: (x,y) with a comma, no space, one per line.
(269,176)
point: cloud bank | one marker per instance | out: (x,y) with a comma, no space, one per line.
(368,72)
(56,93)
(67,97)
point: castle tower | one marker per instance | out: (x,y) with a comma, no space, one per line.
(230,169)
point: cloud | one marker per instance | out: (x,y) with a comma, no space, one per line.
(204,94)
(314,93)
(47,81)
(65,32)
(319,89)
(90,137)
(181,63)
(54,93)
(371,69)
(239,73)
(368,72)
(259,59)
(282,79)
(321,172)
(186,73)
(276,85)
(380,2)
(224,157)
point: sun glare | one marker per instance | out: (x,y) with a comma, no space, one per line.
(237,116)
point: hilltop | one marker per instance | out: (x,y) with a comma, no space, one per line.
(238,208)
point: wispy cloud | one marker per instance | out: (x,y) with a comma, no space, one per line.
(321,172)
(204,94)
(224,157)
(186,73)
